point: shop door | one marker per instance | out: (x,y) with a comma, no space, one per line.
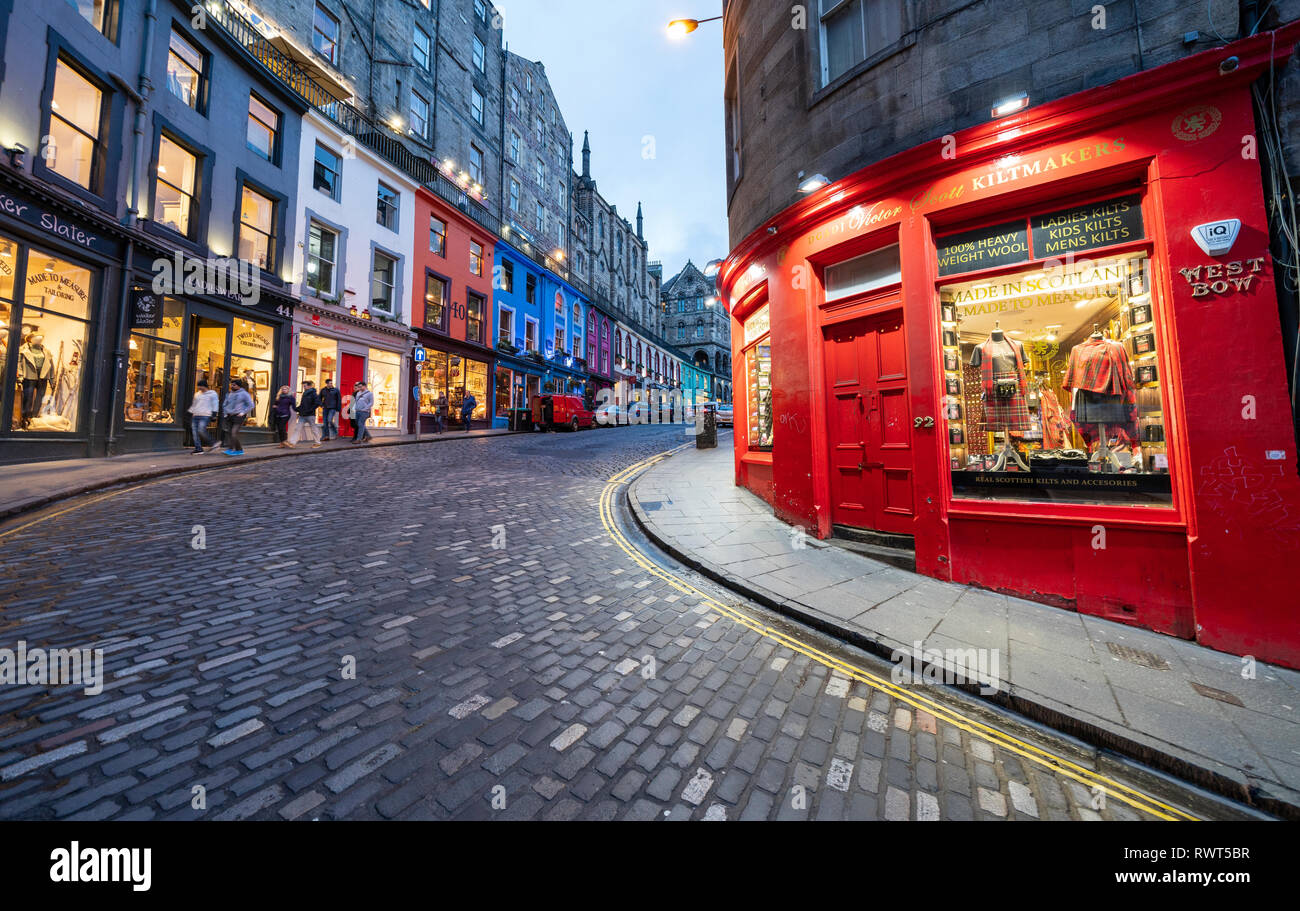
(210,361)
(352,370)
(869,424)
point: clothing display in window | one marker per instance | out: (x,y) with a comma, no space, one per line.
(1002,377)
(1101,377)
(1056,426)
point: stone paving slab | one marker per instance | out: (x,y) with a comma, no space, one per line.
(1059,667)
(30,485)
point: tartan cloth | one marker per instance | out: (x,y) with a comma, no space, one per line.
(1056,426)
(1011,415)
(1100,365)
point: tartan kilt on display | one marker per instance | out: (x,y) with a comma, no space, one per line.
(1009,414)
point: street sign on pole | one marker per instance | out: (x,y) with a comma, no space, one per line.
(421,355)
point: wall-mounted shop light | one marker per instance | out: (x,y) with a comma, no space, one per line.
(1011,105)
(812,184)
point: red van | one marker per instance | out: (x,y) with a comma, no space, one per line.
(550,412)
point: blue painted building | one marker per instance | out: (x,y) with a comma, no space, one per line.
(541,333)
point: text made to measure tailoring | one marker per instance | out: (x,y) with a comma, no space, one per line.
(1073,230)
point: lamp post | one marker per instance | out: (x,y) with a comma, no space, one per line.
(680,28)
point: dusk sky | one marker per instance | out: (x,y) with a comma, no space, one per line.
(616,73)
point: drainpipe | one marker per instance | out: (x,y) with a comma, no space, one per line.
(119,354)
(137,177)
(139,161)
(437,55)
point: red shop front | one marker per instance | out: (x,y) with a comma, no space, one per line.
(1047,358)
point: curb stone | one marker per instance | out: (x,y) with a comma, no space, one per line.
(1221,780)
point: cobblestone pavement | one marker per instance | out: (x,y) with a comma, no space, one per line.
(510,662)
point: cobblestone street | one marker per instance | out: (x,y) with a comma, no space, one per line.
(511,661)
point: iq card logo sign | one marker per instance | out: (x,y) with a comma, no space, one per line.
(1217,237)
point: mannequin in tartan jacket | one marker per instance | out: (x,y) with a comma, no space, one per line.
(1002,368)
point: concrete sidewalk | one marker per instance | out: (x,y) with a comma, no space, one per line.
(1175,705)
(31,485)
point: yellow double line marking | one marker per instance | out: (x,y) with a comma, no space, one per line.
(1048,760)
(67,509)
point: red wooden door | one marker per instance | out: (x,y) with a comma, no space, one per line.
(870,424)
(352,370)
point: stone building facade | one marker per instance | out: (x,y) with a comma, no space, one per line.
(537,159)
(611,255)
(912,72)
(431,70)
(697,324)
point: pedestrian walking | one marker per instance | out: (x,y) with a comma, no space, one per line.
(283,412)
(467,407)
(362,401)
(331,403)
(202,410)
(239,404)
(440,414)
(307,405)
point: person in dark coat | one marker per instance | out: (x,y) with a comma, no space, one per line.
(467,409)
(283,411)
(331,403)
(306,409)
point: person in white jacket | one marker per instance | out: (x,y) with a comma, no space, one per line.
(202,409)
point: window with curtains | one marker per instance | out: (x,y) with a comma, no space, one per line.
(853,31)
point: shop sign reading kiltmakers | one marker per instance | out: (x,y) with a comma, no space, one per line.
(1089,227)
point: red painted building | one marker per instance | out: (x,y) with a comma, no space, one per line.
(451,309)
(1046,353)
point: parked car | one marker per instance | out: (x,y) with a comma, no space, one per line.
(610,414)
(722,412)
(551,412)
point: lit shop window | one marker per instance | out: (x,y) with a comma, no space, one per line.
(46,336)
(758,371)
(1052,388)
(252,349)
(505,385)
(153,370)
(383,372)
(318,361)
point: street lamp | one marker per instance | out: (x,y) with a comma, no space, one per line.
(680,28)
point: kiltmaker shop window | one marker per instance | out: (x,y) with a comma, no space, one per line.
(1051,381)
(758,373)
